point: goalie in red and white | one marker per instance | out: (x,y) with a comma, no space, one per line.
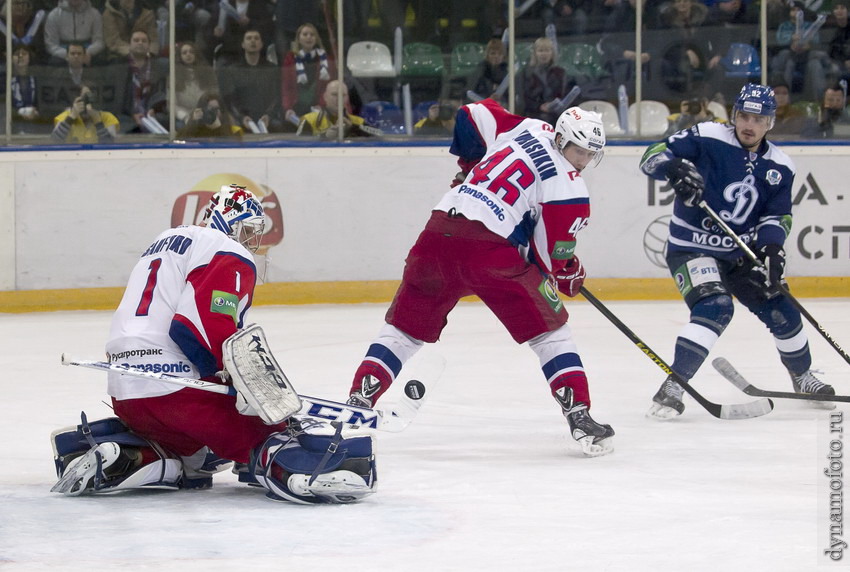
(183,313)
(505,232)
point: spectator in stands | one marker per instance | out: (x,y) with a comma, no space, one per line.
(686,64)
(306,71)
(440,121)
(731,12)
(543,83)
(251,86)
(192,21)
(789,119)
(193,77)
(76,71)
(289,15)
(145,84)
(209,119)
(120,19)
(839,44)
(82,123)
(617,45)
(232,19)
(24,89)
(801,63)
(27,29)
(73,21)
(326,122)
(487,78)
(832,113)
(691,112)
(577,14)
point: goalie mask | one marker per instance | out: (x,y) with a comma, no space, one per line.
(237,213)
(582,128)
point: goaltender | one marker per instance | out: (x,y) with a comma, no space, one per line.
(183,312)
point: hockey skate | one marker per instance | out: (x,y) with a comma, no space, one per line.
(806,382)
(369,386)
(667,402)
(594,438)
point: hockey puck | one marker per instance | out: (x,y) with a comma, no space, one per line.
(414,389)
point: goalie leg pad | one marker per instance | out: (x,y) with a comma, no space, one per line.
(104,456)
(312,468)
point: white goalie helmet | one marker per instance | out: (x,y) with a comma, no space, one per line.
(235,211)
(583,128)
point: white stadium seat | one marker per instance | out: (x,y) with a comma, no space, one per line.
(370,59)
(610,117)
(653,118)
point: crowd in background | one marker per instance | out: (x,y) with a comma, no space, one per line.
(89,71)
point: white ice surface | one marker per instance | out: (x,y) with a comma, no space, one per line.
(486,478)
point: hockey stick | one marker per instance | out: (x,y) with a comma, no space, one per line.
(392,420)
(729,372)
(741,411)
(782,288)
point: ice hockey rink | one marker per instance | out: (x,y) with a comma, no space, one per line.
(485,478)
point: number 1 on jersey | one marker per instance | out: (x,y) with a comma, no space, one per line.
(150,286)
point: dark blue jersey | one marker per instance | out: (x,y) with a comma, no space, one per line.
(751,191)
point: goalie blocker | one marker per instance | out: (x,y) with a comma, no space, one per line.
(261,386)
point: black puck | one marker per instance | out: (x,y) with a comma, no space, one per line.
(414,389)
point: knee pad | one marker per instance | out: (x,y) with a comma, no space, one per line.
(713,312)
(104,456)
(310,463)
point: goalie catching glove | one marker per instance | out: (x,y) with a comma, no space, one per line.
(686,181)
(571,278)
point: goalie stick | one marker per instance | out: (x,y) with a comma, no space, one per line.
(728,371)
(782,288)
(391,420)
(740,411)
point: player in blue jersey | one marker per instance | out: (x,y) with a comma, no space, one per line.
(747,180)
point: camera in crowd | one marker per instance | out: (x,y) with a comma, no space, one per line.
(694,106)
(446,112)
(210,115)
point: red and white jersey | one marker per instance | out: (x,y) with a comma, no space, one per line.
(523,188)
(188,292)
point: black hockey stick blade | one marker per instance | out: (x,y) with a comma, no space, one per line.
(730,412)
(728,371)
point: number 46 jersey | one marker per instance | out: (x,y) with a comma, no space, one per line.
(521,188)
(187,293)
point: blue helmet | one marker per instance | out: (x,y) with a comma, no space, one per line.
(756,99)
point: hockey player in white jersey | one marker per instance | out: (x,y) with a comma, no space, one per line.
(506,233)
(187,295)
(747,180)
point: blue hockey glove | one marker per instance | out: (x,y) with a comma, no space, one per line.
(685,180)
